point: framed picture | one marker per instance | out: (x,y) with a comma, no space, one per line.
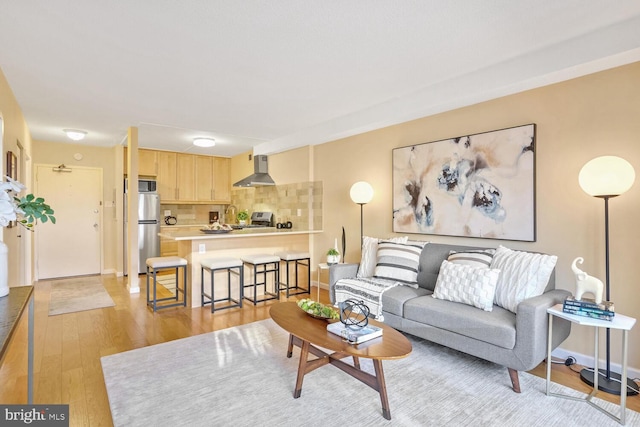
(12,172)
(480,185)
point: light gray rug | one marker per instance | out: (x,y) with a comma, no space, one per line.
(240,376)
(69,296)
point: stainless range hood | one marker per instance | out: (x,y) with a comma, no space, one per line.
(260,174)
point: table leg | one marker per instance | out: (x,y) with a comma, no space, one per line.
(623,378)
(549,343)
(30,354)
(382,388)
(319,269)
(290,348)
(304,354)
(356,362)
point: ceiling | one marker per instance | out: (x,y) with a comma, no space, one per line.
(274,75)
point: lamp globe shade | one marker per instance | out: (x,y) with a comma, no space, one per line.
(606,176)
(361,192)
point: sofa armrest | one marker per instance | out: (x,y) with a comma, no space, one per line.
(532,327)
(337,272)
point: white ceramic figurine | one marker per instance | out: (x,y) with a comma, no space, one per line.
(585,283)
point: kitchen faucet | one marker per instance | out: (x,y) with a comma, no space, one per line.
(231,212)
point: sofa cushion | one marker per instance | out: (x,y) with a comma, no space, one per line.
(472,257)
(398,261)
(523,275)
(370,252)
(393,299)
(430,260)
(496,327)
(475,286)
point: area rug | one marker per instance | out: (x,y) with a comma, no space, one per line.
(69,296)
(241,376)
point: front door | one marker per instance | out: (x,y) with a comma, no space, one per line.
(71,247)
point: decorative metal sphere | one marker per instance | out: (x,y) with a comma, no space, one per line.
(354,314)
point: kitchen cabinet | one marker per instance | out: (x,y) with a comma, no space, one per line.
(166,180)
(222,179)
(186,177)
(213,177)
(147,162)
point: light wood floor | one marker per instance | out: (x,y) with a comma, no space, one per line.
(68,348)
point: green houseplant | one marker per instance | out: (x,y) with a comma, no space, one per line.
(26,211)
(333,256)
(243,216)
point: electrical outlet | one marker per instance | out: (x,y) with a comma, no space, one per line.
(299,212)
(202,248)
(167,212)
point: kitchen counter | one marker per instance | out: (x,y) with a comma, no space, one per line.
(194,245)
(196,234)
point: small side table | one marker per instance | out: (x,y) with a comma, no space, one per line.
(321,266)
(621,322)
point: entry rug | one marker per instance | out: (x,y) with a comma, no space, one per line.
(241,377)
(78,294)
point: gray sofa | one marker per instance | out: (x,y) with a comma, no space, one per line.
(517,341)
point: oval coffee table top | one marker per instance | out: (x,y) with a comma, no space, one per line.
(291,318)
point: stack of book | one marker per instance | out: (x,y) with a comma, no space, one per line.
(587,307)
(355,336)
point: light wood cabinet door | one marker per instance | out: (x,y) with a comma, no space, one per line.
(222,179)
(204,178)
(186,177)
(147,162)
(167,176)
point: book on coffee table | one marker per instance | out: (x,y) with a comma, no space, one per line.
(355,336)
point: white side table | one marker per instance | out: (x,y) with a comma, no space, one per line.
(621,322)
(321,266)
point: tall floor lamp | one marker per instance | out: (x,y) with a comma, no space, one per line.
(606,177)
(361,193)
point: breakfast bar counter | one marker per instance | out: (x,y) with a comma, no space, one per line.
(195,245)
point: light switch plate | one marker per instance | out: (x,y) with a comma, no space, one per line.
(202,248)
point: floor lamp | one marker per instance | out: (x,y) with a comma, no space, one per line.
(361,193)
(606,177)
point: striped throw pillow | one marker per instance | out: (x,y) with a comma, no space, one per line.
(397,261)
(473,257)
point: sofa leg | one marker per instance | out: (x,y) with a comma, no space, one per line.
(515,380)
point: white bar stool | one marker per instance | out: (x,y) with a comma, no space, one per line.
(164,263)
(298,259)
(262,264)
(222,264)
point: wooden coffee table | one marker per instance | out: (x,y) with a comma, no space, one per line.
(307,332)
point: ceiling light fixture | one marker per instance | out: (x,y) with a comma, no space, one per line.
(75,134)
(204,142)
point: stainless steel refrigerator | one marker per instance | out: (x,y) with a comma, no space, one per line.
(148,229)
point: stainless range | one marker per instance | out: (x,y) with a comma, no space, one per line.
(258,220)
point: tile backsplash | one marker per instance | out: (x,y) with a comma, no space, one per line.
(300,203)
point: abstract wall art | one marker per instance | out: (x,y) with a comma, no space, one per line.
(480,185)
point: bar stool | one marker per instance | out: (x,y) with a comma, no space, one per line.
(222,264)
(262,264)
(299,259)
(164,263)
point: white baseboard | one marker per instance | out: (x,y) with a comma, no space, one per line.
(587,361)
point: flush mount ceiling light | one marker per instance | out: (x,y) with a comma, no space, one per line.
(75,134)
(204,142)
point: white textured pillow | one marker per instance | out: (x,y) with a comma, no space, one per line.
(369,254)
(397,261)
(469,285)
(524,275)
